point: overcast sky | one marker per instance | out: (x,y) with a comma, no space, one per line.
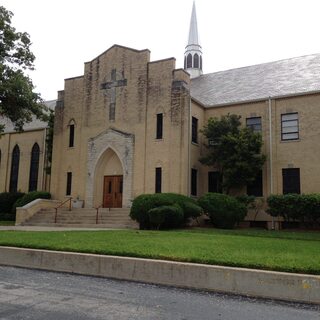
(233,33)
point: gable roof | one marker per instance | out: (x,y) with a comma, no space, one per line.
(293,76)
(33,125)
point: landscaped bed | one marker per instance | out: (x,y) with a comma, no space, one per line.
(270,250)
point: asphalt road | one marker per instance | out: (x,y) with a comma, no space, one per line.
(32,294)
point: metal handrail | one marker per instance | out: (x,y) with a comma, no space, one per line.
(60,205)
(97,208)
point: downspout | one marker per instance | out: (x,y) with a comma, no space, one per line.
(270,153)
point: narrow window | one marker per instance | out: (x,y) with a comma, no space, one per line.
(254,123)
(189,61)
(13,187)
(291,180)
(289,126)
(194,130)
(196,61)
(256,187)
(194,173)
(158,185)
(185,62)
(214,182)
(69,183)
(112,111)
(159,125)
(71,135)
(34,167)
(201,62)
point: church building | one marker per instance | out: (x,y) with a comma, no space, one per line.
(129,126)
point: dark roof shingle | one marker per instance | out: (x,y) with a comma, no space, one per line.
(274,79)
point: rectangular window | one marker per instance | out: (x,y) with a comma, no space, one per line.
(158,185)
(159,125)
(214,182)
(194,173)
(254,123)
(194,137)
(71,135)
(289,126)
(69,183)
(256,187)
(291,180)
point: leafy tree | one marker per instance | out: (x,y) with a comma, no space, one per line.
(18,102)
(235,151)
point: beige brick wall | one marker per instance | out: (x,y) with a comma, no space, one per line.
(25,142)
(152,87)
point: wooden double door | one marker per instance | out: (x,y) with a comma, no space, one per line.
(112,191)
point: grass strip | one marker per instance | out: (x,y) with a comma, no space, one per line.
(280,251)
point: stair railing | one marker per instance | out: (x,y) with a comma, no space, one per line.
(97,212)
(60,205)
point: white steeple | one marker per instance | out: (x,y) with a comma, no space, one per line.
(193,53)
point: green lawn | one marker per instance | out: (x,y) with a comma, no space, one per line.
(270,250)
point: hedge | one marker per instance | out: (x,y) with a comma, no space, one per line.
(295,207)
(224,211)
(7,200)
(166,217)
(145,202)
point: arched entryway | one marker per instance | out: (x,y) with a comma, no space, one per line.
(110,154)
(108,188)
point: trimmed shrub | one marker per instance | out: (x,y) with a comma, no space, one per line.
(28,197)
(7,200)
(248,201)
(295,207)
(224,211)
(191,210)
(145,202)
(165,217)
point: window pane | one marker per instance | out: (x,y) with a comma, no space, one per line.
(194,130)
(291,180)
(292,123)
(290,129)
(289,116)
(69,183)
(158,184)
(193,182)
(290,136)
(34,167)
(159,126)
(256,187)
(254,123)
(289,126)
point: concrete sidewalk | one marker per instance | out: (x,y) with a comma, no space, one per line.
(250,282)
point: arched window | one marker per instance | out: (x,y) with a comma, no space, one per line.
(185,62)
(71,133)
(189,61)
(13,187)
(201,62)
(34,167)
(196,61)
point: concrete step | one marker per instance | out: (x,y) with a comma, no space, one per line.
(84,217)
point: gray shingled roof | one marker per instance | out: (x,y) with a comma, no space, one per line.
(33,125)
(280,78)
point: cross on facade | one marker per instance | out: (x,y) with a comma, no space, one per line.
(111,87)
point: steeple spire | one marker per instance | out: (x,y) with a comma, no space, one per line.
(193,53)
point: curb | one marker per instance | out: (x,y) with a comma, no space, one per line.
(250,282)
